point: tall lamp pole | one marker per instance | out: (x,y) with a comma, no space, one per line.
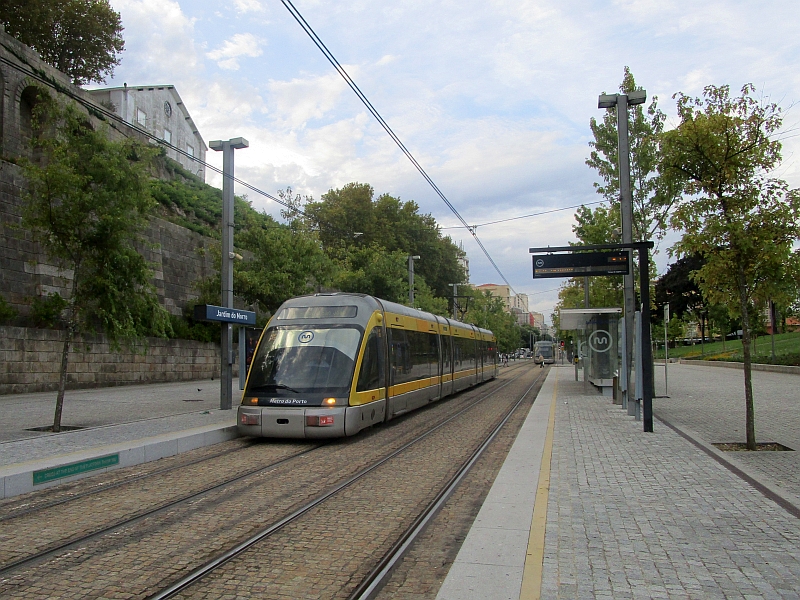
(411,260)
(622,102)
(226,271)
(455,296)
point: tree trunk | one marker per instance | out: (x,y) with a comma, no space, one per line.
(62,377)
(72,320)
(702,334)
(750,424)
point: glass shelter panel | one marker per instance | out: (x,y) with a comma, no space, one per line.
(598,337)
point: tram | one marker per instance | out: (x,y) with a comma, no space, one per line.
(330,365)
(545,350)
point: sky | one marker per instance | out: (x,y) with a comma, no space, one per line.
(492,97)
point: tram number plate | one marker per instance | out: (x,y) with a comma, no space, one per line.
(319,421)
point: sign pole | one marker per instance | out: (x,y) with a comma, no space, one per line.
(647,348)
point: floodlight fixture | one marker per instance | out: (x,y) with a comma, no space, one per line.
(607,100)
(637,97)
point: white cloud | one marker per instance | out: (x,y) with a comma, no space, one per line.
(241,44)
(244,6)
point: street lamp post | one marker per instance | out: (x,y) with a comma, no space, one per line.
(622,102)
(455,298)
(226,270)
(411,260)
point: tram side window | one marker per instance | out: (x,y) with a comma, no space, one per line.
(447,354)
(371,376)
(466,353)
(413,354)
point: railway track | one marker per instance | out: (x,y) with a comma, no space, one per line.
(139,533)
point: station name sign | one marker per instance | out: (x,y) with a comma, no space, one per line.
(580,264)
(209,312)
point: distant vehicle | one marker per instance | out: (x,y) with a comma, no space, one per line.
(545,351)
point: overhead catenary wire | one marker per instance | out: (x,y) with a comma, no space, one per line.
(365,101)
(544,212)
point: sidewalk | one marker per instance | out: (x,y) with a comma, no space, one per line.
(120,426)
(635,515)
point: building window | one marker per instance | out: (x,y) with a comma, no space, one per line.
(141,118)
(168,136)
(189,151)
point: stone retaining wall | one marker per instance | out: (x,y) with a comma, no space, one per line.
(30,360)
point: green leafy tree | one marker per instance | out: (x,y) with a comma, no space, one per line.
(652,194)
(86,204)
(489,312)
(741,221)
(285,263)
(82,38)
(351,219)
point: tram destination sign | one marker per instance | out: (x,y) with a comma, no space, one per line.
(580,264)
(209,312)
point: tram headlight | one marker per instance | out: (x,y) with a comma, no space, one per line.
(329,402)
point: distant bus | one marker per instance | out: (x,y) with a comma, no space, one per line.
(546,351)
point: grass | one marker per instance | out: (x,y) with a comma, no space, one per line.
(787,350)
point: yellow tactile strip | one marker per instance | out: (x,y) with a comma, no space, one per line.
(531,588)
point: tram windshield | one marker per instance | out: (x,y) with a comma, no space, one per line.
(305,360)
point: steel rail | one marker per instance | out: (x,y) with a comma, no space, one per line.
(77,542)
(210,566)
(371,585)
(102,488)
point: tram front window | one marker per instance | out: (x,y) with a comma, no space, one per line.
(312,361)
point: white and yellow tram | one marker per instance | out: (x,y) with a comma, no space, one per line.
(330,365)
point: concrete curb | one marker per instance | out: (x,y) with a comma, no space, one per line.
(737,365)
(19,478)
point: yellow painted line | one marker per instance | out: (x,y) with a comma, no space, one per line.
(532,575)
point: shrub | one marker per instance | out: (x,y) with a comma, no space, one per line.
(7,312)
(46,311)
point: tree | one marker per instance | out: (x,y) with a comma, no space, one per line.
(652,194)
(284,263)
(86,205)
(740,220)
(82,38)
(489,312)
(351,218)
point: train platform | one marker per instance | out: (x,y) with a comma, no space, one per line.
(105,428)
(586,505)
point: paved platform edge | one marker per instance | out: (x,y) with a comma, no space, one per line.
(19,478)
(491,561)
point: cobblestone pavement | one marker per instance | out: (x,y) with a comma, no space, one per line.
(709,401)
(106,406)
(634,515)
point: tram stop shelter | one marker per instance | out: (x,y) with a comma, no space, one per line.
(598,335)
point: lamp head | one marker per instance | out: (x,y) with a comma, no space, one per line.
(607,100)
(637,97)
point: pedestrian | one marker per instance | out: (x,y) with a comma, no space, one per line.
(541,361)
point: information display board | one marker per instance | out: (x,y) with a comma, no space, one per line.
(580,264)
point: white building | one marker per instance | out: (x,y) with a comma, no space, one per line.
(159,110)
